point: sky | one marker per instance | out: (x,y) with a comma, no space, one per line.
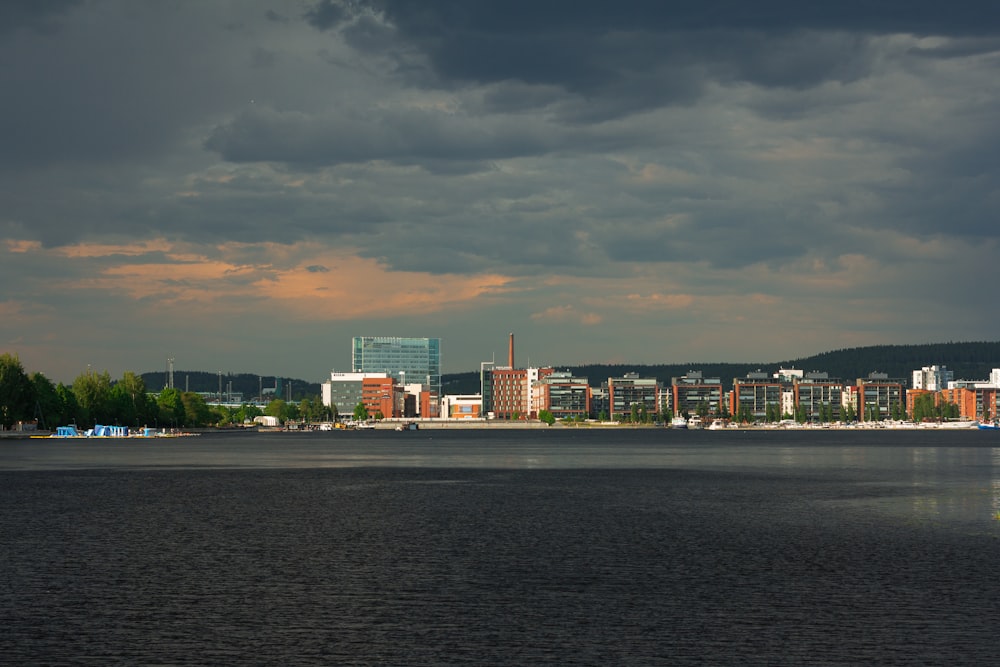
(245,185)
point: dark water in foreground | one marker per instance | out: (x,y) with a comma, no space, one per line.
(549,547)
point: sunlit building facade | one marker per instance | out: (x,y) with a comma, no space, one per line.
(407,360)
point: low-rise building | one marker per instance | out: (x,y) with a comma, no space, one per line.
(462,406)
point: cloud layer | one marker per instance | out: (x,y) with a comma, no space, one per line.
(633,181)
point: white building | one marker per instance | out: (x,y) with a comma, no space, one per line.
(932,378)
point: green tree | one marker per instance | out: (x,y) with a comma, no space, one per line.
(93,394)
(360,412)
(246,413)
(68,403)
(800,413)
(171,407)
(547,417)
(307,410)
(196,412)
(277,408)
(130,402)
(47,402)
(16,392)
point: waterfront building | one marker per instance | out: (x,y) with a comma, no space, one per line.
(695,394)
(407,360)
(988,403)
(880,397)
(818,398)
(467,406)
(382,396)
(913,394)
(509,392)
(512,393)
(962,397)
(599,405)
(631,390)
(564,395)
(756,397)
(347,390)
(932,378)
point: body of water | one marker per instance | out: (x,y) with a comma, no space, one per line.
(595,547)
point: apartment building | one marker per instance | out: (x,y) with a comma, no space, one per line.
(631,390)
(693,393)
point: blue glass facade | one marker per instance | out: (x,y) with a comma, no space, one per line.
(409,360)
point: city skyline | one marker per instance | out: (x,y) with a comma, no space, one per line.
(237,184)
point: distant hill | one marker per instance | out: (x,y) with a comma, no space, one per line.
(971,361)
(247,384)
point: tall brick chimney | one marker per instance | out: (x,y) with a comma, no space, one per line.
(510,352)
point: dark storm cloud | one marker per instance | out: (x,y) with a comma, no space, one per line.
(327,14)
(589,46)
(40,15)
(403,136)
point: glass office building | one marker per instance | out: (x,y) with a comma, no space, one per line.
(409,360)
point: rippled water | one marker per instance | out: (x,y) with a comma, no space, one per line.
(502,548)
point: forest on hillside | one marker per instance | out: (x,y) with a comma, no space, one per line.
(969,361)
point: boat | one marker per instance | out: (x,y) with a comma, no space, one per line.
(989,426)
(961,423)
(717,425)
(678,422)
(408,426)
(695,422)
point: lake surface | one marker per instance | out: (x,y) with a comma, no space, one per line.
(588,547)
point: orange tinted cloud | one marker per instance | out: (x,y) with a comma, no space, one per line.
(567,314)
(305,280)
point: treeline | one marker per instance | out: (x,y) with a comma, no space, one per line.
(94,398)
(971,361)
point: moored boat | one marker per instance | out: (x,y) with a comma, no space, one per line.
(961,423)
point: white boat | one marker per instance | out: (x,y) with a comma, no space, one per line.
(963,423)
(695,422)
(678,422)
(989,426)
(717,425)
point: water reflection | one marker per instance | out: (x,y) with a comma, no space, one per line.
(928,476)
